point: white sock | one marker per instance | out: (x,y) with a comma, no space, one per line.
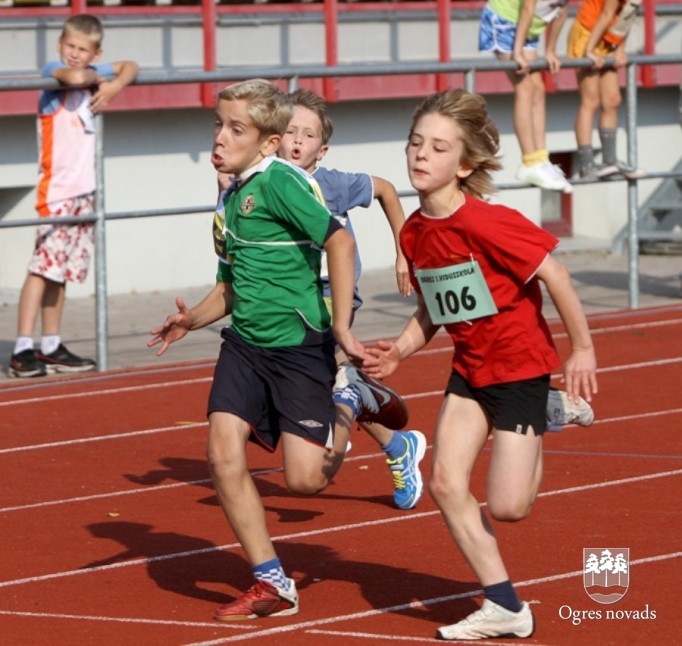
(49,343)
(23,343)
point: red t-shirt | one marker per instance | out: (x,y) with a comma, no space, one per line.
(515,343)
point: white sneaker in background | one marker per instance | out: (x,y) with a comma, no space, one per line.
(544,175)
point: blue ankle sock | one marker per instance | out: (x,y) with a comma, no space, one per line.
(272,572)
(503,594)
(396,446)
(351,397)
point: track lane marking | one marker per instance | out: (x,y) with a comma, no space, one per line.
(318,532)
(308,626)
(415,604)
(176,368)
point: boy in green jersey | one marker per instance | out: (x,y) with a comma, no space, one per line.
(274,376)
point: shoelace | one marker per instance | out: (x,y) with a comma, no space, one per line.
(397,470)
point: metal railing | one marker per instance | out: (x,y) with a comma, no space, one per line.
(292,75)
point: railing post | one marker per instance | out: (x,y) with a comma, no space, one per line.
(648,72)
(208,26)
(101,315)
(633,223)
(443,41)
(331,23)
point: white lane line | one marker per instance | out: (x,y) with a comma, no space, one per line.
(99,438)
(199,380)
(125,620)
(196,425)
(107,391)
(353,458)
(183,382)
(318,532)
(408,606)
(309,626)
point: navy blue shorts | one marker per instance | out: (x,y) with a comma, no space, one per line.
(277,390)
(513,406)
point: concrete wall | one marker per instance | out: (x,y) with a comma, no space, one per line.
(163,160)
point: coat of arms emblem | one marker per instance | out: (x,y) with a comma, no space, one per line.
(606,573)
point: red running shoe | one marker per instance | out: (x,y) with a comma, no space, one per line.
(261,600)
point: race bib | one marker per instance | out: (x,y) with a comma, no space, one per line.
(456,293)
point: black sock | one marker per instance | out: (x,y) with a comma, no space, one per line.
(503,594)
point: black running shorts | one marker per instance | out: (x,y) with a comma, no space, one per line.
(277,389)
(513,406)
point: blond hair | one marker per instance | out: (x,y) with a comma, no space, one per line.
(479,135)
(89,26)
(269,107)
(316,104)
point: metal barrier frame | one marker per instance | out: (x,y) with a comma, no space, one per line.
(291,76)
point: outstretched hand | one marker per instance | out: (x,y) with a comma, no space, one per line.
(173,328)
(382,360)
(350,345)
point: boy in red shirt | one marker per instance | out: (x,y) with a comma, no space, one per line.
(476,268)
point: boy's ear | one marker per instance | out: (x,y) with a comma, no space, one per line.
(270,145)
(464,171)
(322,152)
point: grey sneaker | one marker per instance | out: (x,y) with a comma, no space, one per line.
(562,410)
(380,404)
(596,171)
(491,621)
(623,168)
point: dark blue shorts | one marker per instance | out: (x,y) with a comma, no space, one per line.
(277,390)
(513,406)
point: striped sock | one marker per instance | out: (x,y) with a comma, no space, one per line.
(351,397)
(272,572)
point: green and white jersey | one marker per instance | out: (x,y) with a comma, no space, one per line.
(268,231)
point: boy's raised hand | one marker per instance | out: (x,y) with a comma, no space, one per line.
(173,328)
(382,360)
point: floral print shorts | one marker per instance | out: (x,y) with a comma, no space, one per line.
(63,253)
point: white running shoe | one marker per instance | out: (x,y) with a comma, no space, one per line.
(544,175)
(491,621)
(562,410)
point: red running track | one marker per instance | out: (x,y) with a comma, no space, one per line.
(111,533)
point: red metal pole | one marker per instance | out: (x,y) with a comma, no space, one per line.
(331,23)
(209,33)
(648,71)
(443,41)
(79,6)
